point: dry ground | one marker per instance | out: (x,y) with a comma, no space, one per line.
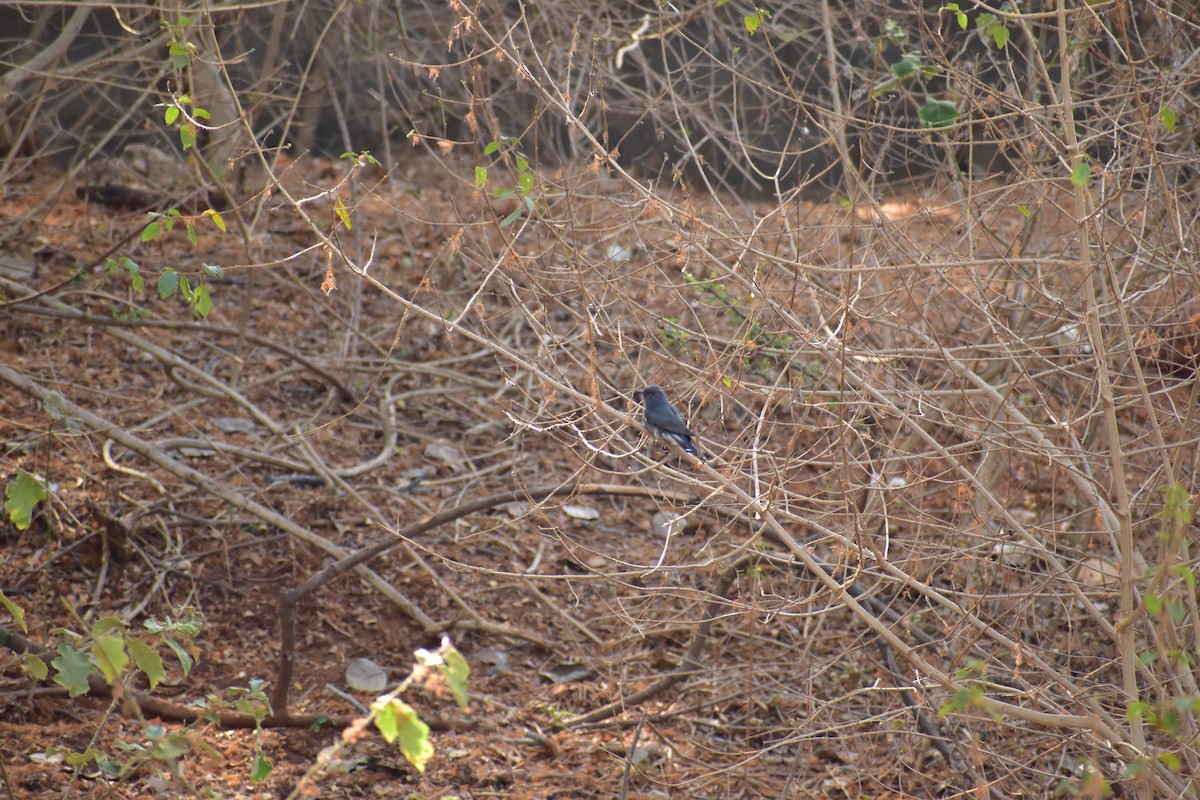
(399,416)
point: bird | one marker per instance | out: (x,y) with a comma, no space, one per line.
(663,419)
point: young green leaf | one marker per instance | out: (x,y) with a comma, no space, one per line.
(455,670)
(23,493)
(168,282)
(201,301)
(146,660)
(1167,116)
(754,21)
(959,16)
(1081,173)
(261,767)
(36,666)
(179,54)
(17,612)
(73,668)
(185,660)
(110,655)
(398,720)
(938,113)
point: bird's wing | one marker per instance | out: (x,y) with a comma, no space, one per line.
(671,422)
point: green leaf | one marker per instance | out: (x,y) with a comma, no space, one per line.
(179,54)
(1168,118)
(217,219)
(455,670)
(491,148)
(754,21)
(185,660)
(1138,709)
(261,767)
(110,655)
(1081,173)
(906,66)
(398,720)
(938,113)
(171,114)
(989,26)
(152,231)
(24,492)
(202,113)
(167,746)
(526,182)
(1135,766)
(1024,211)
(36,666)
(147,661)
(1171,760)
(107,624)
(168,282)
(187,136)
(191,234)
(883,87)
(1188,575)
(481,177)
(188,625)
(510,219)
(213,270)
(1154,605)
(17,612)
(1186,704)
(135,276)
(201,301)
(73,668)
(1176,502)
(81,759)
(959,16)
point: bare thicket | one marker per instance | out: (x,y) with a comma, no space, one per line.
(948,392)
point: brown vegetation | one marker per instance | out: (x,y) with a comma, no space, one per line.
(943,543)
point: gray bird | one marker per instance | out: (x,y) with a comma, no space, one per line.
(663,419)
